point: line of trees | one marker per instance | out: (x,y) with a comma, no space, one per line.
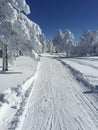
(19,33)
(87,46)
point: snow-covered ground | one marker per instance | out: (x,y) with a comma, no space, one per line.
(24,67)
(15,88)
(87,66)
(52,99)
(58,101)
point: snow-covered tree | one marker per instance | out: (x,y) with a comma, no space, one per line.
(85,43)
(94,46)
(63,42)
(69,43)
(17,32)
(88,44)
(43,41)
(29,41)
(58,41)
(47,44)
(50,47)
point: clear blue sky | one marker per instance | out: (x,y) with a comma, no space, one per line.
(76,15)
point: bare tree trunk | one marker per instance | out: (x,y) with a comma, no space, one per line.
(4,57)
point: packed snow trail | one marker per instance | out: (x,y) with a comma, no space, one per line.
(58,101)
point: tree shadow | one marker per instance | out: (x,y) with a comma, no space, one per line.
(91,92)
(88,92)
(9,72)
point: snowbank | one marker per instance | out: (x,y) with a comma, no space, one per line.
(14,99)
(84,70)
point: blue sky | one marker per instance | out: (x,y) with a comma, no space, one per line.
(76,15)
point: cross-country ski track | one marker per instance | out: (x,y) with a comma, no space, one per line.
(58,101)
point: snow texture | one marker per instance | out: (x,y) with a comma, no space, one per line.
(85,70)
(58,101)
(13,101)
(51,99)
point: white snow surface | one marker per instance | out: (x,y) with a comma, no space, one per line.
(51,99)
(58,101)
(87,66)
(13,98)
(24,67)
